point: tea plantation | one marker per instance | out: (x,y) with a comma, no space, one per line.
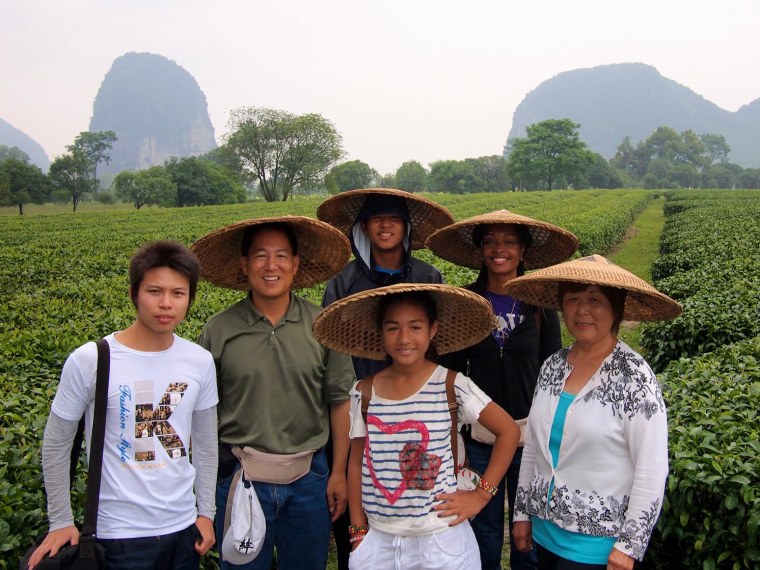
(63,282)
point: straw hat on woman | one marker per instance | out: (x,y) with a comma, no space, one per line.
(594,465)
(502,245)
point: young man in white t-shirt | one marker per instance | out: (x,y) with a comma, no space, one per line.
(161,392)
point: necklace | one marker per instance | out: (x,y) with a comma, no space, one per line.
(508,318)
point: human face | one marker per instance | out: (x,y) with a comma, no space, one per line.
(270,265)
(407,333)
(588,315)
(163,297)
(385,232)
(502,250)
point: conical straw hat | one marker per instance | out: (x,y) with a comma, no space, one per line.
(551,244)
(342,209)
(642,301)
(322,252)
(350,324)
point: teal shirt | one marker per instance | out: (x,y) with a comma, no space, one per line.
(570,545)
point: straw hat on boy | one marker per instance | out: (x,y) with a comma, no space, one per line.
(350,324)
(551,244)
(425,216)
(322,251)
(642,301)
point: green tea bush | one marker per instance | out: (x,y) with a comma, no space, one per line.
(710,254)
(711,513)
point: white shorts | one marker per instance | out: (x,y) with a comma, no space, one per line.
(452,549)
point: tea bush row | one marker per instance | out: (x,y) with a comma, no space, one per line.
(710,254)
(711,513)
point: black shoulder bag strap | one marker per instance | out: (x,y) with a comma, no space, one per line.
(89,526)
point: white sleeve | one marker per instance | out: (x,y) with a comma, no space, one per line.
(208,396)
(646,431)
(76,389)
(357,426)
(470,398)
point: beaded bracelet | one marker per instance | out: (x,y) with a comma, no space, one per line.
(358,538)
(487,487)
(358,529)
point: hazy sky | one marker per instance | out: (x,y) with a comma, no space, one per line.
(401,80)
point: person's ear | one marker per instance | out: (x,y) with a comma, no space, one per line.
(296,260)
(244,266)
(433,329)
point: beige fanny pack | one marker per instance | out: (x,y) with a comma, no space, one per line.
(273,467)
(481,434)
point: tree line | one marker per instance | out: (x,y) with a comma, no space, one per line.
(276,155)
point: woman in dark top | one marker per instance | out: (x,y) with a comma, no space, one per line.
(505,365)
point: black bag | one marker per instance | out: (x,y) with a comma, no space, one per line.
(88,554)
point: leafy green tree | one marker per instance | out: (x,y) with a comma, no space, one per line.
(750,178)
(489,173)
(22,183)
(280,150)
(411,176)
(386,180)
(551,151)
(71,174)
(13,152)
(723,175)
(625,157)
(451,176)
(350,176)
(202,182)
(716,147)
(146,187)
(96,146)
(601,174)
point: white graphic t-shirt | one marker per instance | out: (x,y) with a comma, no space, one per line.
(147,478)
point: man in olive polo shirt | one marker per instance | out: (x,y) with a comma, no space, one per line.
(280,391)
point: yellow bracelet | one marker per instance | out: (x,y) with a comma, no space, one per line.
(487,487)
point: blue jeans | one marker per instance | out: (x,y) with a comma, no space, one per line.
(298,522)
(488,524)
(175,551)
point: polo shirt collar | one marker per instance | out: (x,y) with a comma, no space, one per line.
(253,316)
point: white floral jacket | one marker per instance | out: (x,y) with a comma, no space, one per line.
(613,463)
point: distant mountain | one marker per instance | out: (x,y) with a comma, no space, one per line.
(611,102)
(156,109)
(11,136)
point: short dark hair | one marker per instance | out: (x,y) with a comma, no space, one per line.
(164,253)
(422,299)
(253,231)
(615,296)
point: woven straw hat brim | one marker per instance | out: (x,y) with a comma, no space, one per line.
(642,303)
(551,244)
(350,325)
(322,252)
(342,209)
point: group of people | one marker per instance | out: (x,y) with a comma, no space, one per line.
(363,415)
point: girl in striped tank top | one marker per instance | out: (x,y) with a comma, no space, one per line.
(406,510)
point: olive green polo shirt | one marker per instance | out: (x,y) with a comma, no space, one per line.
(276,383)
